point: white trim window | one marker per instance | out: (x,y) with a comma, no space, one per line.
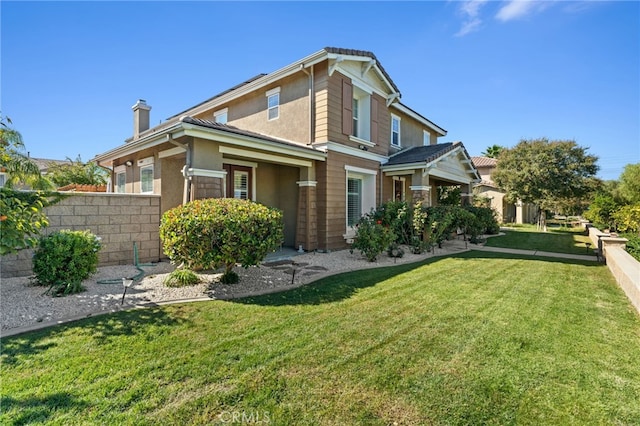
(426,138)
(120,179)
(395,131)
(273,103)
(221,116)
(146,175)
(361,109)
(360,194)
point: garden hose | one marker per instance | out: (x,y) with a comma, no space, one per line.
(137,277)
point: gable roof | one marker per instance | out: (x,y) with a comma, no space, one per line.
(366,53)
(429,155)
(484,161)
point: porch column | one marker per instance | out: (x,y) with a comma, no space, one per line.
(421,193)
(205,183)
(307,215)
(466,195)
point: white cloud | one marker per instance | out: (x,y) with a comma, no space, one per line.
(516,9)
(470,9)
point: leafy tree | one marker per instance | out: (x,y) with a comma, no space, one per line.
(21,213)
(493,151)
(546,173)
(630,183)
(15,163)
(77,172)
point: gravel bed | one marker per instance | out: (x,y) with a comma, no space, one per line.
(24,304)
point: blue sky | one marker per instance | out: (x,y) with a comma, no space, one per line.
(490,72)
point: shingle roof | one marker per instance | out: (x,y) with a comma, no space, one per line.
(237,131)
(354,52)
(421,154)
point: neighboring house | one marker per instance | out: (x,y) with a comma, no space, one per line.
(507,212)
(43,165)
(324,139)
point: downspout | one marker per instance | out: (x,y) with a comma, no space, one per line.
(187,179)
(311,103)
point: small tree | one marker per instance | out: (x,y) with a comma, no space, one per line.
(629,186)
(221,232)
(546,173)
(75,171)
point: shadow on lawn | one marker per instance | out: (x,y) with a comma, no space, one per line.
(343,286)
(102,327)
(334,288)
(38,409)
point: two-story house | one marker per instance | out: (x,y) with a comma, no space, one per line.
(325,139)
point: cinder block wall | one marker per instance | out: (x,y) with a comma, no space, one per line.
(119,219)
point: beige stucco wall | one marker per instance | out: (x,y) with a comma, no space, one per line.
(250,111)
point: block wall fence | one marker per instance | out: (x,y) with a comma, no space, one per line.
(624,267)
(118,219)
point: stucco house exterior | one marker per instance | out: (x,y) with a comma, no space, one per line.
(325,139)
(518,212)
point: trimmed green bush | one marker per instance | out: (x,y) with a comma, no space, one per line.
(64,259)
(220,232)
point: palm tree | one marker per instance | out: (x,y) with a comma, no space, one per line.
(493,151)
(13,161)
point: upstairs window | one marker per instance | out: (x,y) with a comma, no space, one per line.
(361,109)
(395,131)
(426,138)
(273,103)
(221,116)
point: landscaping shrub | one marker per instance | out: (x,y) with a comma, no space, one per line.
(64,259)
(220,232)
(396,215)
(181,278)
(628,218)
(633,245)
(372,237)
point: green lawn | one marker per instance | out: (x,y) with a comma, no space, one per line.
(477,338)
(556,239)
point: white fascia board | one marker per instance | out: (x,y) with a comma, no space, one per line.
(265,157)
(354,152)
(403,167)
(358,81)
(259,83)
(415,116)
(355,58)
(250,142)
(171,152)
(451,177)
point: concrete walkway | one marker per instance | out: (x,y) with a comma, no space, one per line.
(534,253)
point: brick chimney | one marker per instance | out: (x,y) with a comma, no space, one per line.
(140,117)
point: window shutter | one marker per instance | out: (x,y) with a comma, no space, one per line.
(347,106)
(374,120)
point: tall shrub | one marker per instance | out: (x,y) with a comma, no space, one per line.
(64,259)
(372,237)
(220,232)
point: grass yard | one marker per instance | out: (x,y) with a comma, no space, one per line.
(556,239)
(477,338)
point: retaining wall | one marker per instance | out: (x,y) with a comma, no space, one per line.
(118,219)
(624,267)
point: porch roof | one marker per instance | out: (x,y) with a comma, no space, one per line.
(428,157)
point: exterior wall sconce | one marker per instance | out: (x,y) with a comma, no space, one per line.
(362,147)
(128,163)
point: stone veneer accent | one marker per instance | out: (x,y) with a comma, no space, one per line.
(119,219)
